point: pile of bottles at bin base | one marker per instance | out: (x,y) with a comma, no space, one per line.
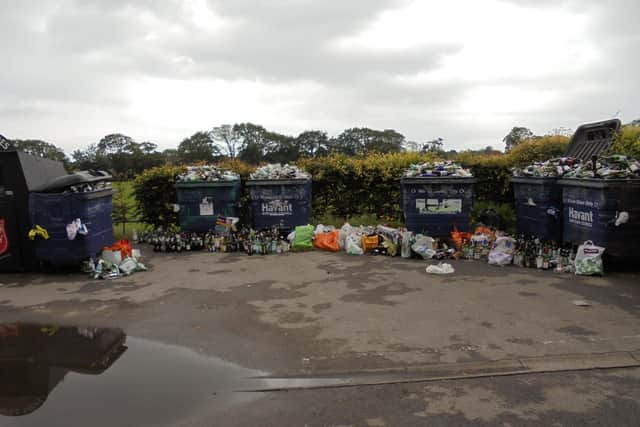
(244,240)
(485,244)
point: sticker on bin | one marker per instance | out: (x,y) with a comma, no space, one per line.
(439,206)
(206,207)
(277,208)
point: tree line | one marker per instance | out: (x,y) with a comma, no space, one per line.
(254,144)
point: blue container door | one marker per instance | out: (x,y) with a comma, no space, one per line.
(201,204)
(590,214)
(539,210)
(434,209)
(284,205)
(55,211)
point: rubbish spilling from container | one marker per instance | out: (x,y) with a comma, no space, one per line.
(437,169)
(115,261)
(207,173)
(553,168)
(279,171)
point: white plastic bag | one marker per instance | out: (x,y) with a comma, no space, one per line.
(405,250)
(354,244)
(345,230)
(441,268)
(291,237)
(423,246)
(588,260)
(502,251)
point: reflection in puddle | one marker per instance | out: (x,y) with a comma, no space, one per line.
(61,376)
(44,381)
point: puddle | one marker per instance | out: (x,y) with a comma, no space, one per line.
(93,376)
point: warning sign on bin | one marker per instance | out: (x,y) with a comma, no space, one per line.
(439,206)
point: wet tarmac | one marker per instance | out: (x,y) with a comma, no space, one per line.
(52,376)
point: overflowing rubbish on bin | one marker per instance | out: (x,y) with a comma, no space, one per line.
(279,171)
(207,173)
(606,167)
(553,168)
(437,169)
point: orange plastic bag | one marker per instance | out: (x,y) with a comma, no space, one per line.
(327,241)
(458,237)
(122,245)
(491,235)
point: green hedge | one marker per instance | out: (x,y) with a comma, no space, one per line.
(346,187)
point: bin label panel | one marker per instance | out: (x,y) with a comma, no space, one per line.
(276,208)
(581,212)
(206,207)
(439,206)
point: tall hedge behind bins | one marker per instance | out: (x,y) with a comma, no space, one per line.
(348,186)
(155,195)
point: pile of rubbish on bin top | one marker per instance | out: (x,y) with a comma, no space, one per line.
(116,261)
(606,167)
(207,173)
(279,171)
(77,182)
(437,169)
(553,168)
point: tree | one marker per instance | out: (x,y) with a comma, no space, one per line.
(198,147)
(227,140)
(39,148)
(123,204)
(170,156)
(361,141)
(434,145)
(313,143)
(516,136)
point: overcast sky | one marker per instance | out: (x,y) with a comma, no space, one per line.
(464,70)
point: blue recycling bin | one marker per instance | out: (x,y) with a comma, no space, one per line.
(281,203)
(433,206)
(591,207)
(538,207)
(202,201)
(53,211)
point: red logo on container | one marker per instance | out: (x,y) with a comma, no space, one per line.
(4,241)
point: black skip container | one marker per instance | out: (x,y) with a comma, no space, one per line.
(433,206)
(281,203)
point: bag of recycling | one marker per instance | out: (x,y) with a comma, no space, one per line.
(345,230)
(588,260)
(458,237)
(327,241)
(405,249)
(502,251)
(304,237)
(353,244)
(423,246)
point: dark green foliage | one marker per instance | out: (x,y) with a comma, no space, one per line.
(156,195)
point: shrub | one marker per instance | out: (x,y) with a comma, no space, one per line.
(538,149)
(627,142)
(156,195)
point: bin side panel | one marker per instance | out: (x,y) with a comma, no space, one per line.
(590,214)
(55,211)
(434,209)
(539,209)
(200,206)
(285,206)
